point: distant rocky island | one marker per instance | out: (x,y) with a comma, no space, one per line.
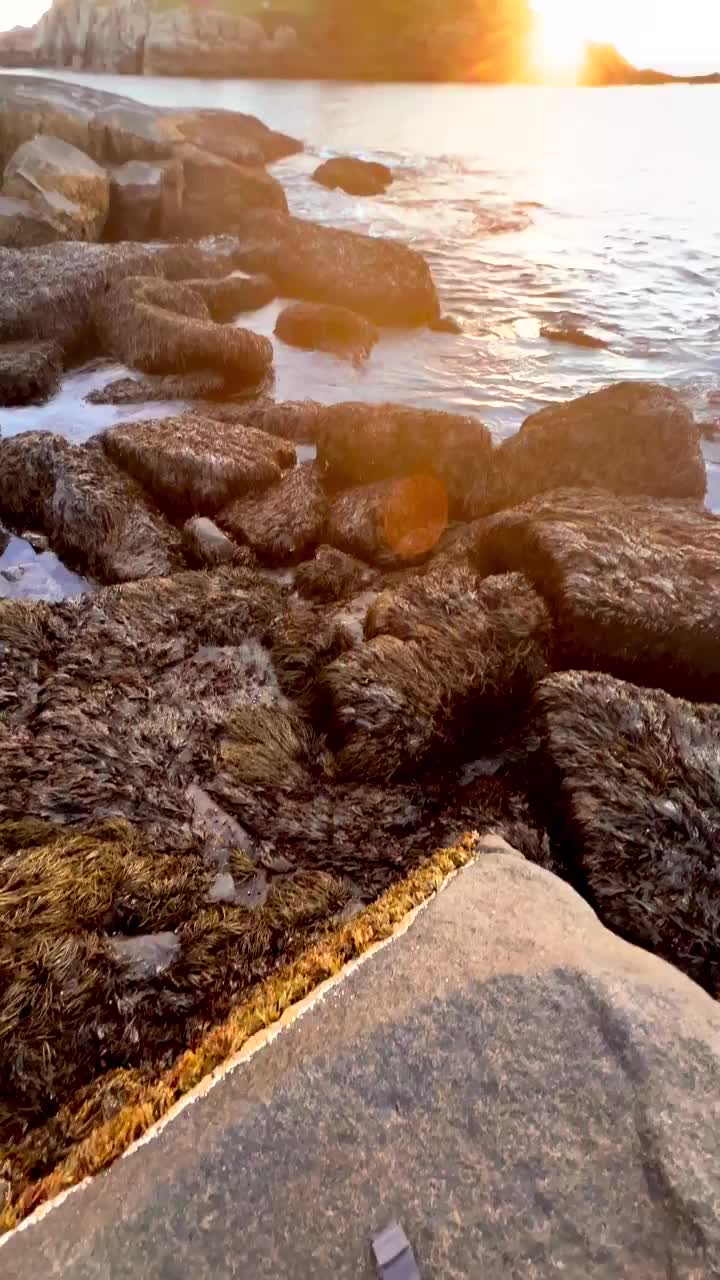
(461,40)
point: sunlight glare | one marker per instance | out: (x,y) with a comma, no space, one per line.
(651,33)
(561,39)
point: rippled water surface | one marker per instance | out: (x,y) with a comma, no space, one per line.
(533,206)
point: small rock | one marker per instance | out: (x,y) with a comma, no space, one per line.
(222,888)
(209,546)
(333,575)
(573,336)
(356,177)
(38,541)
(446,324)
(316,327)
(145,956)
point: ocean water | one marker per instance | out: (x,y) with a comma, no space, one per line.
(534,207)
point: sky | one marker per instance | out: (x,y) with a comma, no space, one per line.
(669,35)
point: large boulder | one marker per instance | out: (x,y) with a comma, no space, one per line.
(238,137)
(318,327)
(635,787)
(94,516)
(29,372)
(362,443)
(383,280)
(357,177)
(159,327)
(218,193)
(633,584)
(47,167)
(108,127)
(286,522)
(191,467)
(390,523)
(207,546)
(447,658)
(145,200)
(632,437)
(25,226)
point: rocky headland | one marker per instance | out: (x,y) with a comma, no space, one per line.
(289,683)
(462,40)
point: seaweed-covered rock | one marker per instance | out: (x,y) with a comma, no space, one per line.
(94,516)
(333,575)
(47,167)
(168,386)
(632,437)
(29,372)
(449,660)
(361,443)
(381,279)
(393,522)
(357,177)
(159,327)
(284,523)
(50,292)
(227,297)
(635,787)
(207,546)
(192,466)
(145,200)
(633,584)
(291,419)
(218,192)
(318,327)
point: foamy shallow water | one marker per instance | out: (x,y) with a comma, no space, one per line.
(532,205)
